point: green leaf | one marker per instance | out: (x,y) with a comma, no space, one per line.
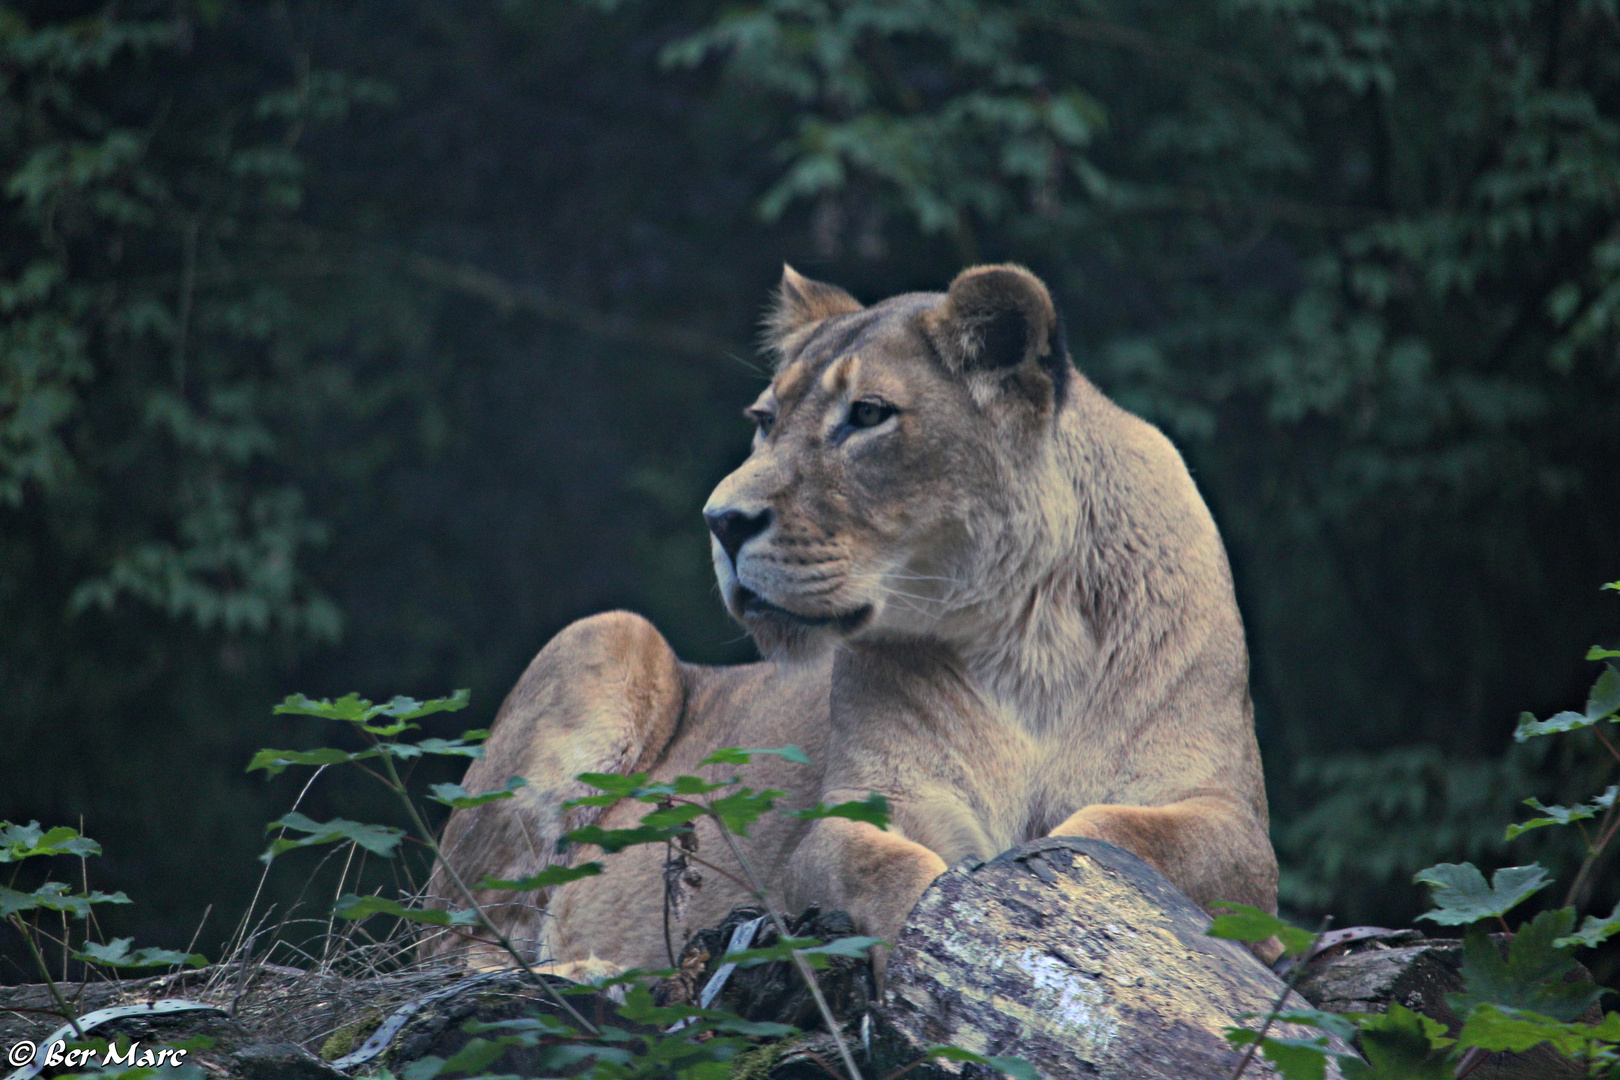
(354,709)
(1333,1023)
(1615,585)
(1298,1059)
(675,816)
(1604,698)
(558,1058)
(457,796)
(742,808)
(1462,897)
(423,1068)
(1594,931)
(539,1022)
(615,786)
(1598,653)
(1015,1067)
(1516,1030)
(1562,815)
(377,839)
(117,954)
(545,879)
(763,1029)
(350,906)
(731,755)
(616,840)
(874,810)
(18,842)
(440,747)
(476,1056)
(404,708)
(855,947)
(1248,923)
(55,896)
(1400,1045)
(780,949)
(689,785)
(351,707)
(274,762)
(1529,727)
(1533,976)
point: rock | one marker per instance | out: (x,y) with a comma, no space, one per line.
(435,1028)
(1376,971)
(1078,957)
(281,1061)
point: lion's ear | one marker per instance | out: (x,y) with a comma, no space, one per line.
(801,302)
(994,317)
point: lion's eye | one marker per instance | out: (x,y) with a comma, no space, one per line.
(764,419)
(868,414)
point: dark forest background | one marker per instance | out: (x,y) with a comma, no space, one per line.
(362,345)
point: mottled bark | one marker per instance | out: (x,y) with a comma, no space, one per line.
(1076,956)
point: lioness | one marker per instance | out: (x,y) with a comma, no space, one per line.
(981,588)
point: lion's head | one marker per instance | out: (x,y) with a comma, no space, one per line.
(895,462)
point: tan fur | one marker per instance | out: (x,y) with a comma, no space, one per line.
(1004,606)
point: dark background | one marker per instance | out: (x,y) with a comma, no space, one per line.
(361,346)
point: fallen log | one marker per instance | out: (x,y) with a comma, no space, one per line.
(1078,957)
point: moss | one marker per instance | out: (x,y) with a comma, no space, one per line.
(756,1064)
(344,1040)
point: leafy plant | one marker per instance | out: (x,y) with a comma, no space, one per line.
(1511,999)
(22,910)
(684,1040)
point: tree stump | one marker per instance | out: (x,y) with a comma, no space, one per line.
(1078,957)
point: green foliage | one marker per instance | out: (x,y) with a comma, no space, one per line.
(734,756)
(1562,815)
(545,879)
(117,953)
(686,1041)
(457,797)
(1401,1045)
(358,711)
(21,910)
(1492,1028)
(27,841)
(1295,1059)
(363,907)
(1017,1068)
(1601,704)
(133,345)
(1594,931)
(1247,923)
(377,839)
(54,896)
(1462,897)
(1532,978)
(874,810)
(1516,995)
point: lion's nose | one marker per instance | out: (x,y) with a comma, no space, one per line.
(733,528)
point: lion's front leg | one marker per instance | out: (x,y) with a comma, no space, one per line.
(875,875)
(1210,847)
